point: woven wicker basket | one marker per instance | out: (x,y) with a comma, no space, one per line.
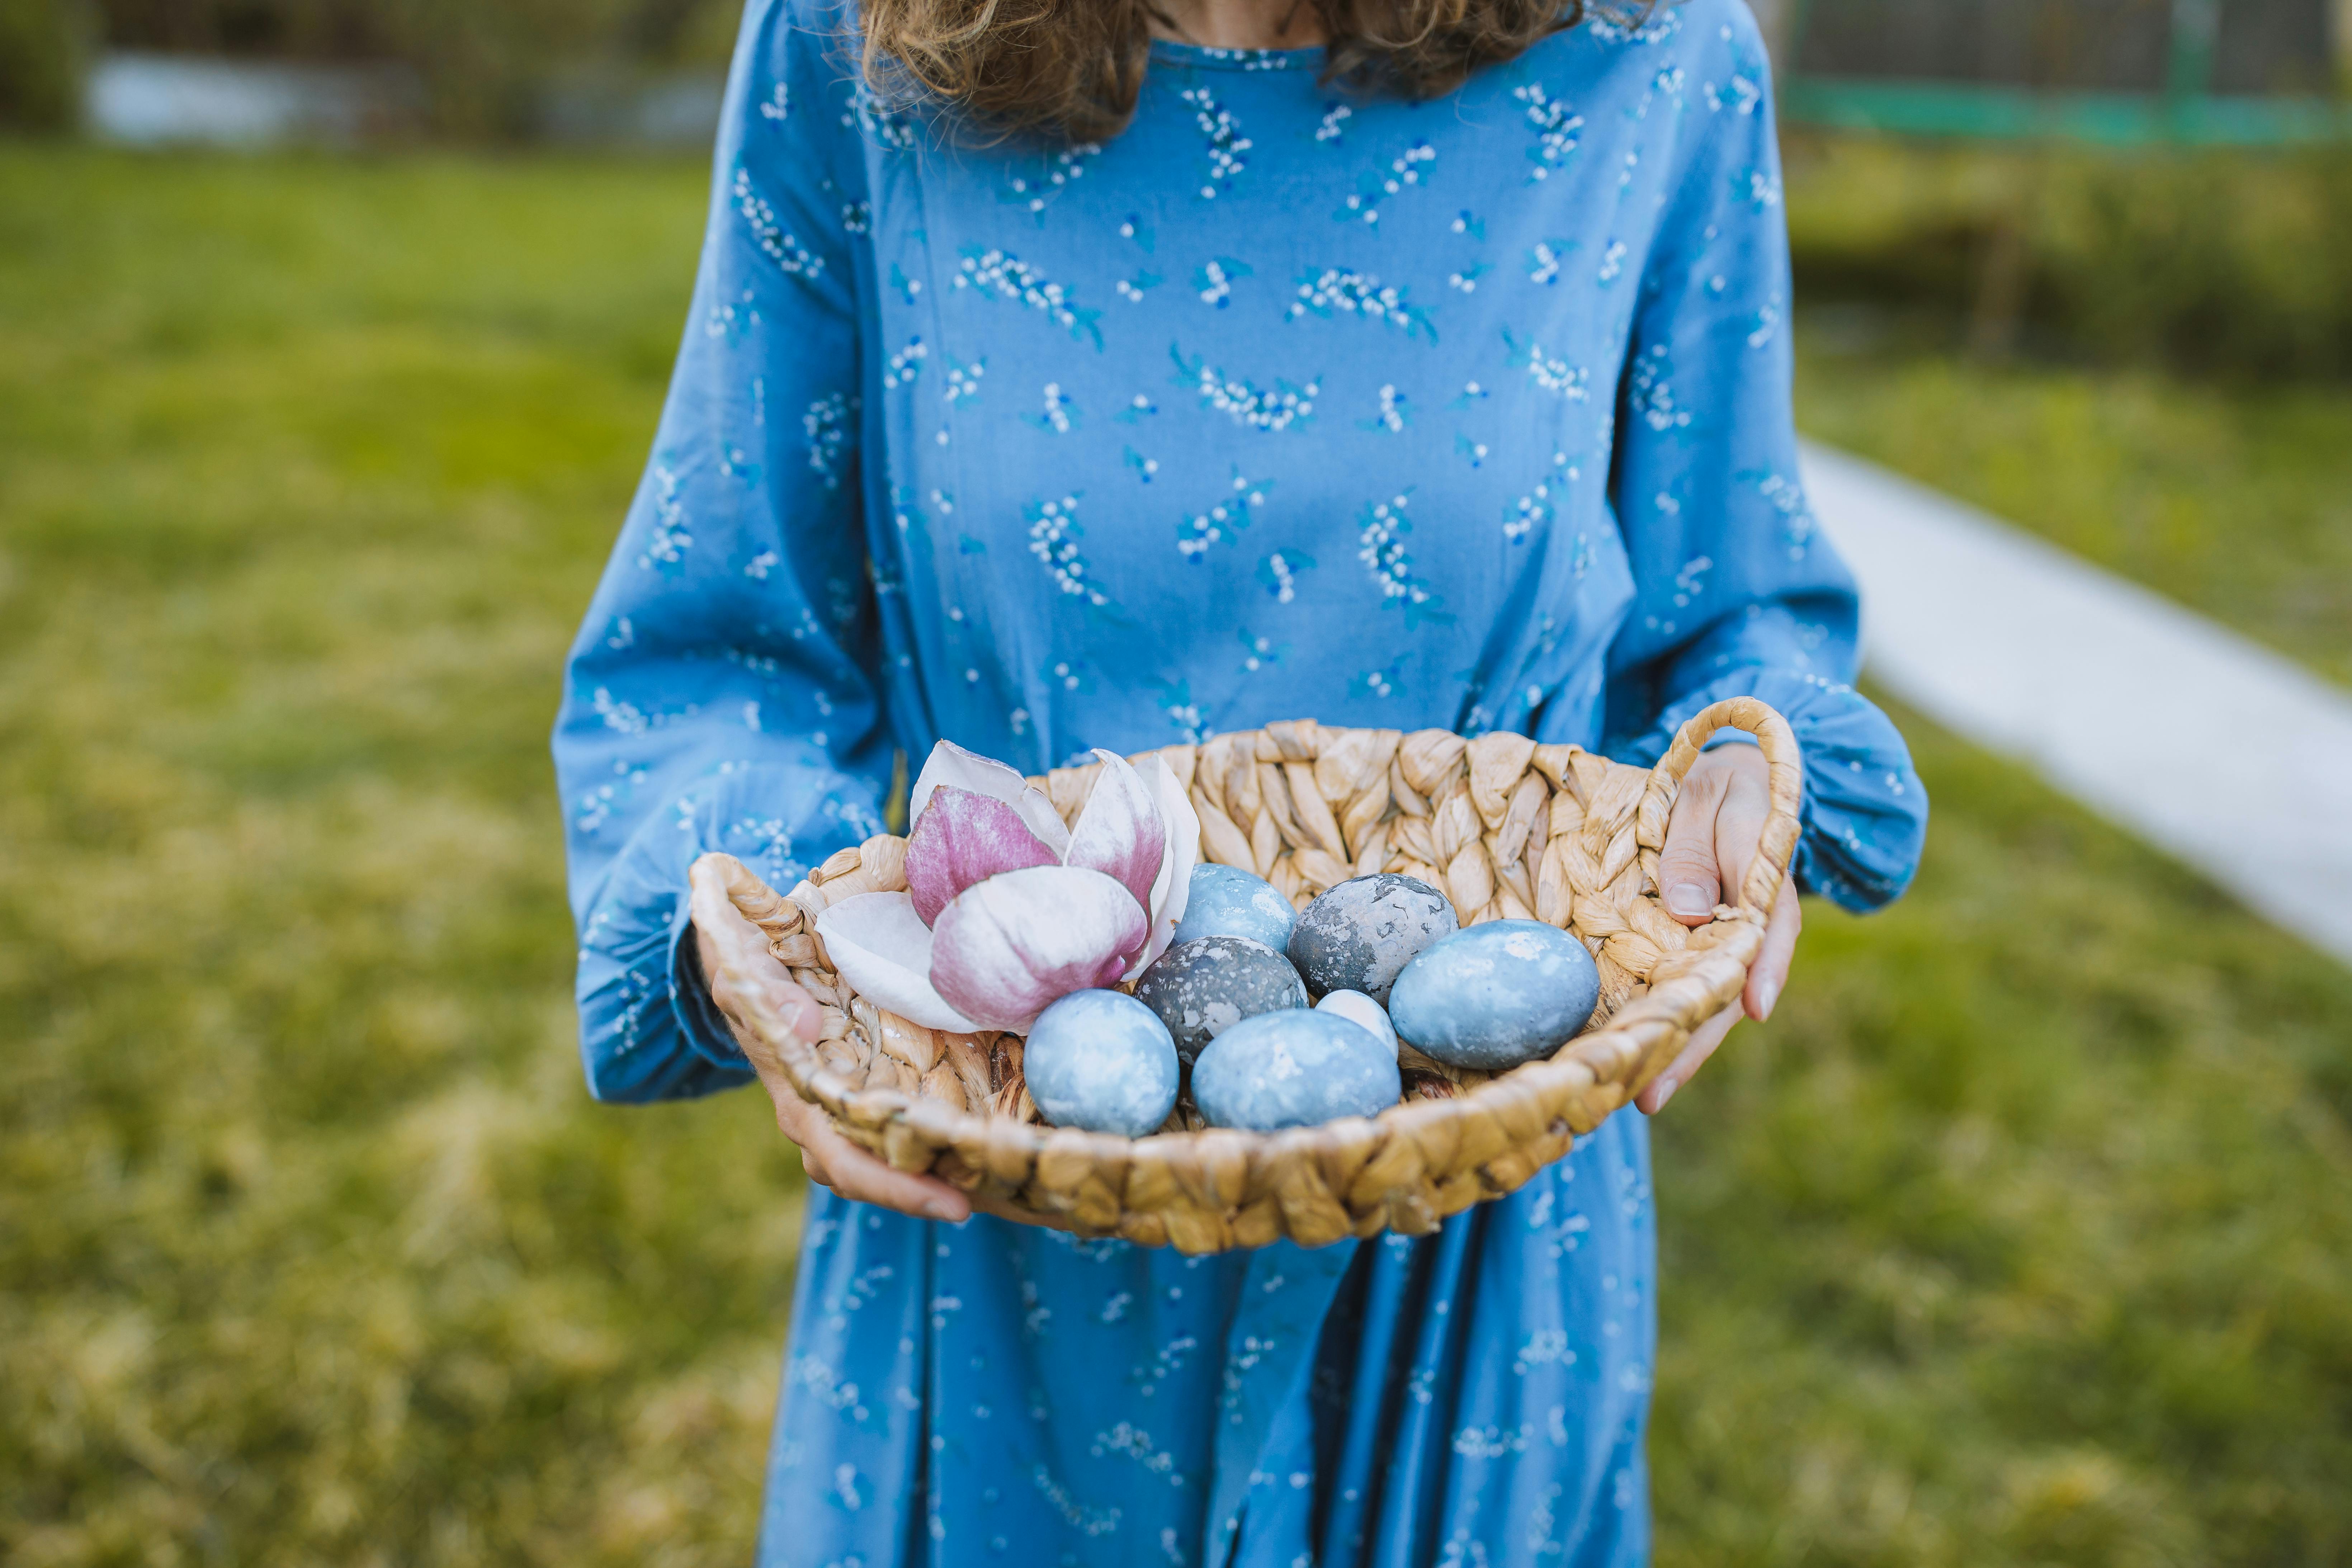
(1506,828)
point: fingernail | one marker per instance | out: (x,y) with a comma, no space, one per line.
(1766,994)
(940,1209)
(1666,1087)
(1688,899)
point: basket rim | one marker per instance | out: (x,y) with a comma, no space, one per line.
(1601,1069)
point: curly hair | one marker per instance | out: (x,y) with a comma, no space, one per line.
(1072,70)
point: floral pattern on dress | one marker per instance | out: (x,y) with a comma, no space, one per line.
(942,413)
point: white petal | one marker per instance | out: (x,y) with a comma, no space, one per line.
(1008,947)
(1120,833)
(881,946)
(951,764)
(1172,888)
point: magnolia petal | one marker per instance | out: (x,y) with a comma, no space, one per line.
(1119,832)
(951,764)
(1172,888)
(882,948)
(962,838)
(1007,947)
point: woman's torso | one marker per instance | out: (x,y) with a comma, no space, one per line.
(1285,402)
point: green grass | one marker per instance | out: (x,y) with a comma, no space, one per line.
(2024,1236)
(310,1249)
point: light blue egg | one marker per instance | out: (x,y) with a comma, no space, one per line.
(1293,1068)
(1224,900)
(1495,994)
(1103,1061)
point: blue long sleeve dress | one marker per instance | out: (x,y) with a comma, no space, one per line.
(1469,413)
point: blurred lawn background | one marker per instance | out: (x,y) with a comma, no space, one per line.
(2022,1234)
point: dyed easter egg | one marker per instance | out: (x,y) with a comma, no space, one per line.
(1293,1068)
(1225,900)
(1497,995)
(1359,1008)
(1358,936)
(1103,1061)
(1204,987)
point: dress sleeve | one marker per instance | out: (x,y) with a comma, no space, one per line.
(1735,591)
(723,691)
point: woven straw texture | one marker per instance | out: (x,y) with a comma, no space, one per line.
(1507,829)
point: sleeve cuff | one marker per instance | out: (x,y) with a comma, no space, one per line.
(648,1029)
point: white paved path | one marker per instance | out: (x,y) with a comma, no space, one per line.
(2235,760)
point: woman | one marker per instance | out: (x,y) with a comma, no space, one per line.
(1449,388)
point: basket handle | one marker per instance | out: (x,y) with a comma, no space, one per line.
(1761,885)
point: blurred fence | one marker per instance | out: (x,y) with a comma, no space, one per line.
(2240,72)
(479,69)
(151,100)
(146,100)
(2118,46)
(2209,261)
(2235,71)
(670,108)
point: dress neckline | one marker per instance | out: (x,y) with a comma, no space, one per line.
(1203,56)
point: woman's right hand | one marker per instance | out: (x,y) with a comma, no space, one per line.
(746,982)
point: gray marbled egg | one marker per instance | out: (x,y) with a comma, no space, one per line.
(1205,987)
(1361,933)
(1294,1069)
(1100,1060)
(1497,995)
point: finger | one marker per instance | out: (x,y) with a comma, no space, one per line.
(1770,972)
(1739,820)
(855,1174)
(748,984)
(727,938)
(1693,1056)
(1687,879)
(735,958)
(829,1159)
(792,1117)
(754,993)
(753,1003)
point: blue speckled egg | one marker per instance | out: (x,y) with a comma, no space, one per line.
(1358,936)
(1497,995)
(1294,1069)
(1225,900)
(1102,1060)
(1203,988)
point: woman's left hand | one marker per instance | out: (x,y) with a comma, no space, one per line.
(1717,822)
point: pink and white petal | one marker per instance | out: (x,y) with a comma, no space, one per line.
(962,838)
(1172,888)
(881,947)
(951,764)
(1120,833)
(1006,948)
